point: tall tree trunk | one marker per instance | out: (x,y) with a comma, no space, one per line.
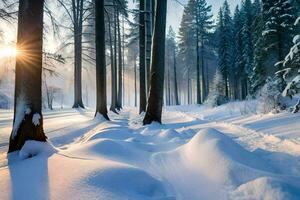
(188,87)
(155,101)
(169,86)
(142,57)
(113,69)
(203,90)
(123,59)
(28,119)
(101,100)
(175,79)
(148,25)
(135,86)
(198,67)
(120,82)
(78,15)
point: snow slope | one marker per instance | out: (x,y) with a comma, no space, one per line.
(198,153)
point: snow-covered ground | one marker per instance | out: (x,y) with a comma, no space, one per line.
(198,153)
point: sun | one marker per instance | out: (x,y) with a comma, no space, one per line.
(8,52)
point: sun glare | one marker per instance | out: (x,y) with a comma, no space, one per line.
(8,52)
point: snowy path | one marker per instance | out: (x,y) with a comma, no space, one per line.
(197,153)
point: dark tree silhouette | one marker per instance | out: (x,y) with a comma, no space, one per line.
(155,101)
(28,119)
(101,106)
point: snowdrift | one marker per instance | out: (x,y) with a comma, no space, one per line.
(215,162)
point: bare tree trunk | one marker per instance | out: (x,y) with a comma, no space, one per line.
(113,69)
(188,87)
(203,90)
(155,102)
(148,25)
(120,82)
(101,100)
(175,79)
(135,86)
(169,86)
(28,119)
(123,58)
(142,57)
(198,67)
(77,16)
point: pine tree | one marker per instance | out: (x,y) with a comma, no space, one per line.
(258,74)
(237,70)
(279,17)
(248,45)
(216,93)
(225,44)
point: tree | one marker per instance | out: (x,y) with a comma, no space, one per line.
(258,74)
(170,57)
(279,18)
(101,104)
(225,44)
(237,69)
(155,101)
(142,38)
(28,119)
(203,26)
(216,93)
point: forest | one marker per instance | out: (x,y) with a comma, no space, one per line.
(150,99)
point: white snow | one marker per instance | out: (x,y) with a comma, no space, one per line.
(36,119)
(227,152)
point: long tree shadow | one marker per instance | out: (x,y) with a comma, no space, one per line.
(29,178)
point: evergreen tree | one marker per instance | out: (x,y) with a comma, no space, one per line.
(258,74)
(279,18)
(248,45)
(237,53)
(225,44)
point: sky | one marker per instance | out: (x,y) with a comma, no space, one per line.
(175,10)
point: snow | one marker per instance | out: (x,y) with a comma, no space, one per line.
(21,111)
(36,119)
(227,152)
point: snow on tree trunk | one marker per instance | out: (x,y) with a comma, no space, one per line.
(28,120)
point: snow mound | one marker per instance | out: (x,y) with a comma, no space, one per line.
(217,157)
(266,188)
(129,182)
(113,149)
(168,134)
(33,148)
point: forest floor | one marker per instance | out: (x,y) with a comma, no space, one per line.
(198,153)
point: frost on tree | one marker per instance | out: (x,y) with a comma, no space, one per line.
(216,95)
(28,120)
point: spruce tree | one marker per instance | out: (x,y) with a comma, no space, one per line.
(225,44)
(279,17)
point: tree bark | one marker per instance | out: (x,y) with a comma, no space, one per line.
(77,17)
(155,101)
(28,119)
(142,57)
(101,99)
(148,25)
(114,69)
(120,75)
(203,85)
(135,86)
(175,78)
(198,66)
